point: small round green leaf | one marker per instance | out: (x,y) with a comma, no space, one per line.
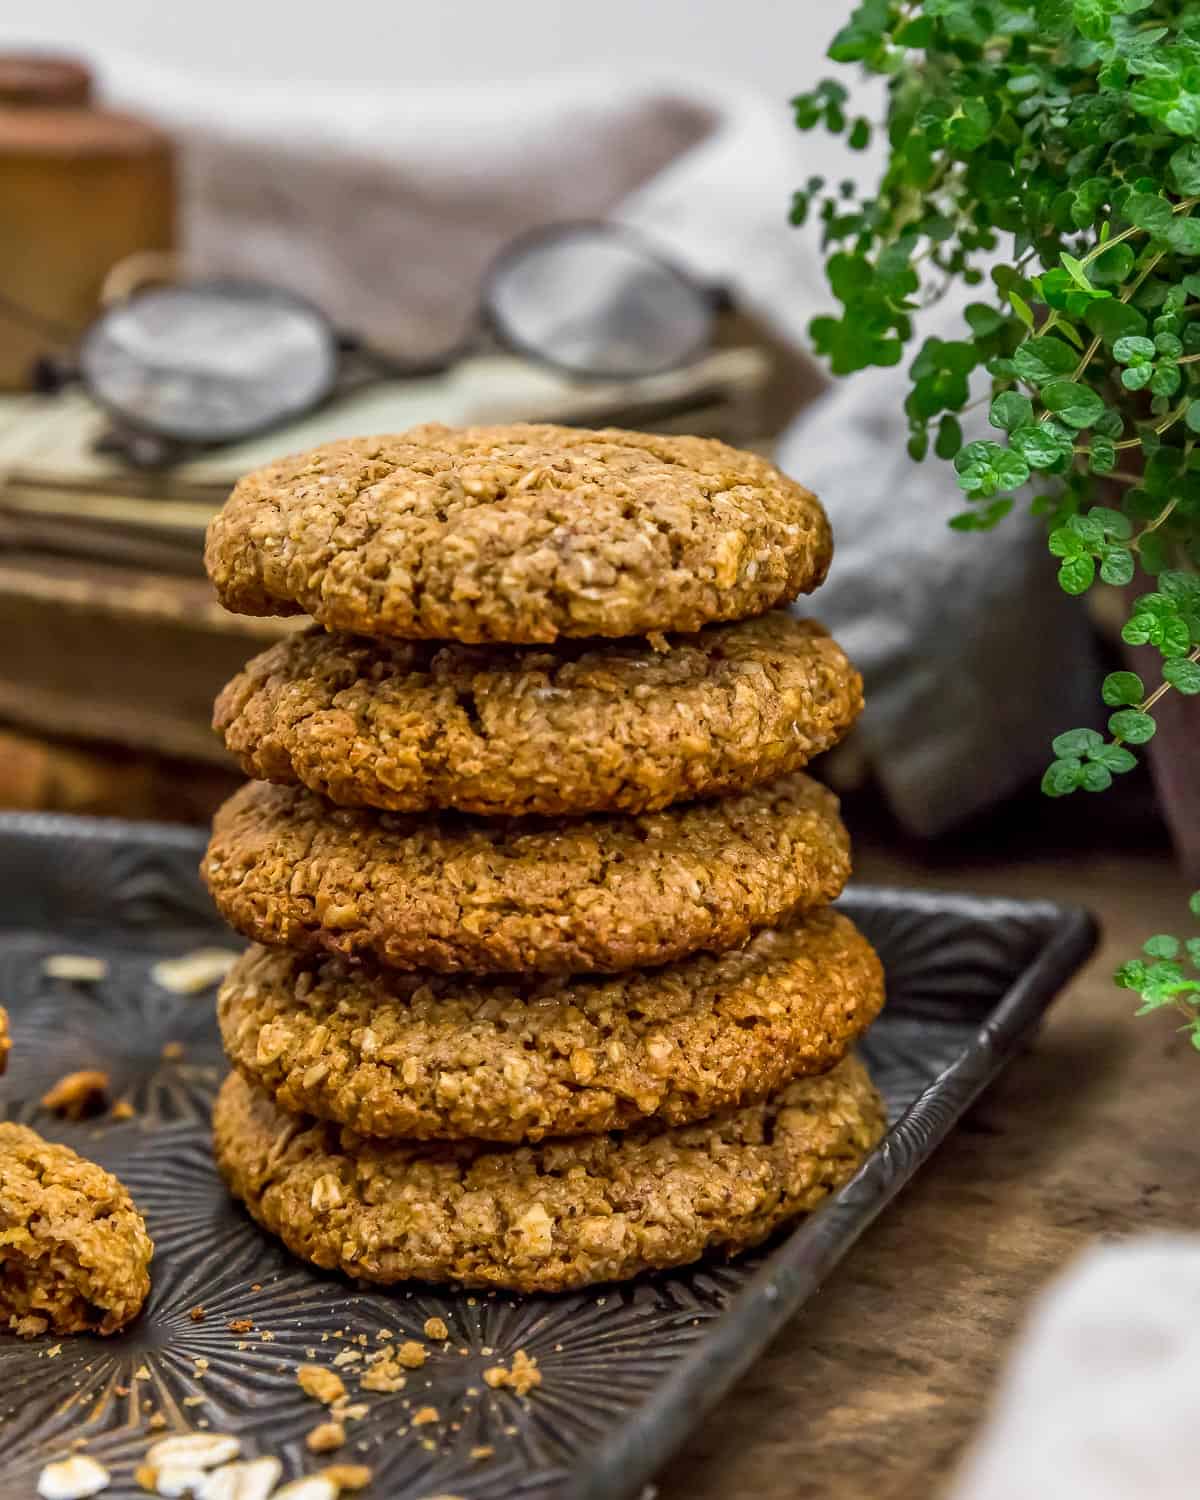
(1133,350)
(1121,688)
(1095,777)
(1133,726)
(1114,758)
(1062,777)
(1010,410)
(1162,945)
(1116,566)
(1183,674)
(1077,574)
(1076,742)
(1077,405)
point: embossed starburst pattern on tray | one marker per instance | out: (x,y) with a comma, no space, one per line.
(626,1371)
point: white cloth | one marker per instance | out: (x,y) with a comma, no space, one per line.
(1100,1399)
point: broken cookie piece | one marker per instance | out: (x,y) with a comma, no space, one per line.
(74,1252)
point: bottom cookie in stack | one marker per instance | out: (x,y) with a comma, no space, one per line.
(564,1214)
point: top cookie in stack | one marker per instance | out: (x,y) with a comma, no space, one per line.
(548,727)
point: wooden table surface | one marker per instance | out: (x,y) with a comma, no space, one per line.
(876,1388)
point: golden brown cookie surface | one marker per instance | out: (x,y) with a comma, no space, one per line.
(556,896)
(610,726)
(74,1252)
(432,1056)
(566,1213)
(517,533)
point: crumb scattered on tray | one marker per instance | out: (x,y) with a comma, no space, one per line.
(435,1328)
(321,1384)
(78,1095)
(122,1110)
(325,1437)
(197,1313)
(172,1051)
(347,1477)
(410,1354)
(76,1251)
(5,1039)
(482,1451)
(384,1375)
(194,971)
(522,1377)
(424,1415)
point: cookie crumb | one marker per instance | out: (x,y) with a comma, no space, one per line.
(122,1110)
(78,1095)
(240,1325)
(197,1313)
(321,1384)
(411,1355)
(72,1478)
(383,1375)
(348,1477)
(347,1357)
(157,1421)
(482,1451)
(325,1437)
(522,1378)
(424,1415)
(435,1328)
(172,1051)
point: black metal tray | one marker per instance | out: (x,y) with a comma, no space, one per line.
(627,1371)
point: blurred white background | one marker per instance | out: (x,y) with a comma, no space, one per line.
(774,45)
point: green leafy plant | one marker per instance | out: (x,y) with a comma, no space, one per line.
(1048,153)
(1161,979)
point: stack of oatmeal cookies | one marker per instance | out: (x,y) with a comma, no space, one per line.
(545,987)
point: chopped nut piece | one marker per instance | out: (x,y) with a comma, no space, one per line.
(74,966)
(176,1480)
(348,1477)
(72,1478)
(193,1450)
(410,1354)
(424,1415)
(310,1487)
(325,1437)
(193,972)
(435,1328)
(240,1325)
(77,1095)
(253,1480)
(321,1384)
(521,1378)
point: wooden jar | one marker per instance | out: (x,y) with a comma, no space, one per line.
(81,188)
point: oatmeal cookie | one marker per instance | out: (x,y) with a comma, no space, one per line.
(74,1252)
(432,1056)
(518,533)
(561,896)
(612,726)
(563,1214)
